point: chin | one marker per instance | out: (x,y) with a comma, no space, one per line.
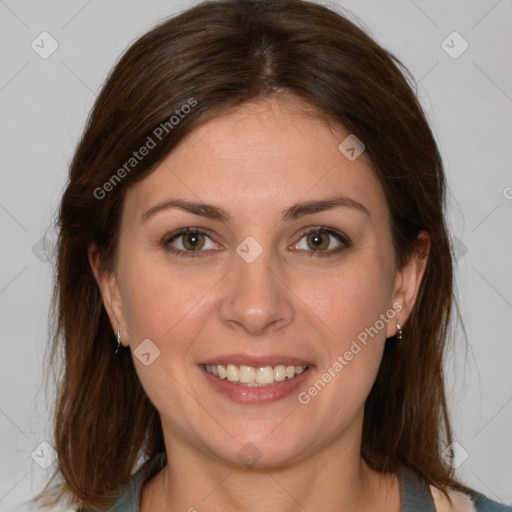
(260,453)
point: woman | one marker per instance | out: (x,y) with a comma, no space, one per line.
(256,211)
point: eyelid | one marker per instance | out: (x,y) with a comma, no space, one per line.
(183,231)
(326,229)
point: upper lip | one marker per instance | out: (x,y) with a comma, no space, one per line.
(256,361)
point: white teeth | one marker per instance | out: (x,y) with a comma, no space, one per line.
(232,373)
(280,372)
(246,374)
(250,376)
(265,375)
(220,370)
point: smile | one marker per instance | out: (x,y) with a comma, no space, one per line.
(256,385)
(255,377)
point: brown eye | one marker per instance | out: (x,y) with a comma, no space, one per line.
(318,241)
(323,242)
(188,242)
(193,241)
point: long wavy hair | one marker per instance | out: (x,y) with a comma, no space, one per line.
(221,54)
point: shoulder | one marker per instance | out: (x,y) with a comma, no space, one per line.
(462,502)
(130,495)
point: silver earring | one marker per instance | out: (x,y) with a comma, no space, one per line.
(399,333)
(118,345)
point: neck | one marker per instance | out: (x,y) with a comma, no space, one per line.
(333,479)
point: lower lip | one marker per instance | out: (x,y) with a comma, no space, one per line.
(254,394)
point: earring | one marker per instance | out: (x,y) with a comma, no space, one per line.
(399,333)
(118,345)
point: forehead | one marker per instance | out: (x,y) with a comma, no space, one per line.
(260,157)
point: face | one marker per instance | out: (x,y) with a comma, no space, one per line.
(268,275)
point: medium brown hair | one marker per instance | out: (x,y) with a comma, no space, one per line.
(222,54)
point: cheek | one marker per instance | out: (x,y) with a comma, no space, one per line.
(348,300)
(346,305)
(170,310)
(158,303)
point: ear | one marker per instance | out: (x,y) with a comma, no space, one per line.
(408,281)
(109,289)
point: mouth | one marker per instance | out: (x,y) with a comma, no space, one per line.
(250,376)
(259,384)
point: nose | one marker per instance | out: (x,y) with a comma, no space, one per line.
(255,297)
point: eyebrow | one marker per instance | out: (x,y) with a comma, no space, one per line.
(296,211)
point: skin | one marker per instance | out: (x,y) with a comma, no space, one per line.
(254,162)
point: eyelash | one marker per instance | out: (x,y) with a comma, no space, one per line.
(341,237)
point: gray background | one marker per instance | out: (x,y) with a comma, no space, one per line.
(468,99)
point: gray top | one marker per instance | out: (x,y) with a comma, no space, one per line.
(415,492)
